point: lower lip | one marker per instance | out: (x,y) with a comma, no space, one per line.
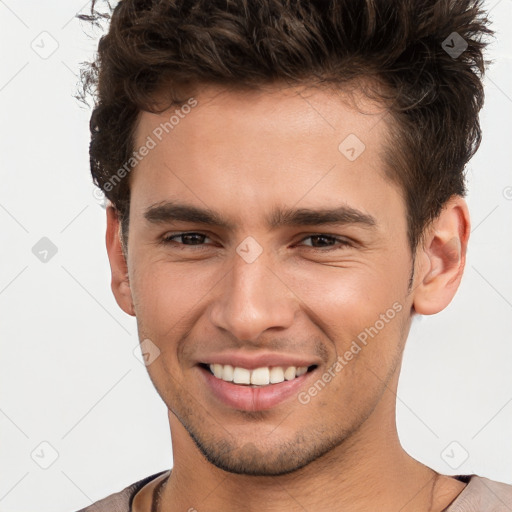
(248,398)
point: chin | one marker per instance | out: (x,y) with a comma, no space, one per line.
(253,460)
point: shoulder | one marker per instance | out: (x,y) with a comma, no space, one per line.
(120,501)
(483,495)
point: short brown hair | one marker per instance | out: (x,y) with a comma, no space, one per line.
(408,47)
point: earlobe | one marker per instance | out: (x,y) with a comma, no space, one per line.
(120,282)
(442,258)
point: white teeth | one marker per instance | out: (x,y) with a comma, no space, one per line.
(241,375)
(227,373)
(289,373)
(217,370)
(301,370)
(262,376)
(276,375)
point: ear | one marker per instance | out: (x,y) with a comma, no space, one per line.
(118,266)
(441,258)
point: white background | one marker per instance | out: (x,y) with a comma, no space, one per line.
(68,375)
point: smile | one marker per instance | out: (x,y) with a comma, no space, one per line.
(263,376)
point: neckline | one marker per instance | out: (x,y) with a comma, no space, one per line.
(156,493)
(142,484)
(465,479)
(154,501)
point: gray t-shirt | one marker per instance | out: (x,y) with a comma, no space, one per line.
(480,495)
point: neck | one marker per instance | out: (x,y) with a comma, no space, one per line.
(369,470)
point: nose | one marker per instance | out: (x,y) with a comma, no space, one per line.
(252,298)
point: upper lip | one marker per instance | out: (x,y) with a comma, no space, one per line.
(258,360)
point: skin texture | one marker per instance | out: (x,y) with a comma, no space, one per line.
(242,154)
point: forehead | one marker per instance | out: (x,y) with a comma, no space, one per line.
(257,148)
(277,109)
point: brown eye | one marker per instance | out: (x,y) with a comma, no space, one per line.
(327,242)
(189,238)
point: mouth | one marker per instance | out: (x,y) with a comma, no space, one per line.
(261,377)
(256,389)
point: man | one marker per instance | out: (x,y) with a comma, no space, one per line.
(286,193)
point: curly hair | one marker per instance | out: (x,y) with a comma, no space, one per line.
(427,57)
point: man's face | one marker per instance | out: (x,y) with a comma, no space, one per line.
(255,295)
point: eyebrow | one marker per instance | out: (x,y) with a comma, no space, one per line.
(168,211)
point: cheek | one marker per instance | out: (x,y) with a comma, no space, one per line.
(354,293)
(361,308)
(166,293)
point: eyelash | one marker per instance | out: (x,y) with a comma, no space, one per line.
(343,243)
